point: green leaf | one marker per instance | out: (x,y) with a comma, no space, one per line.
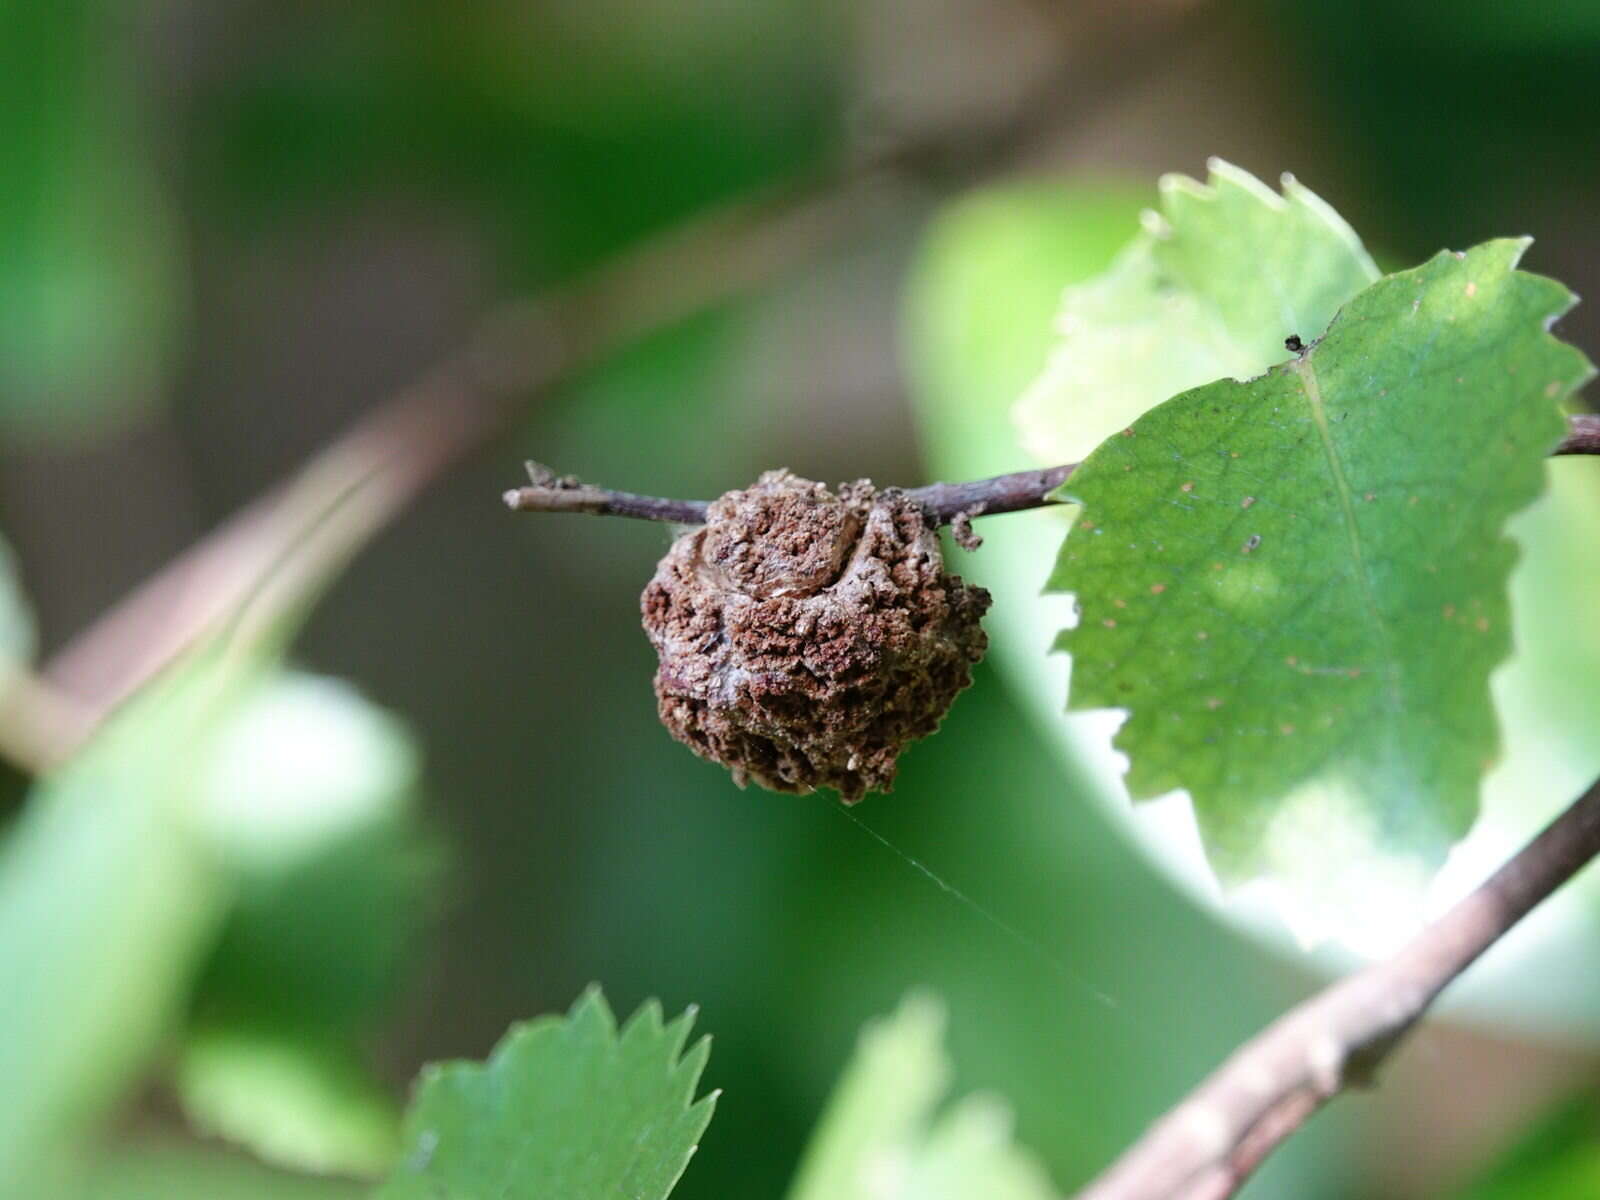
(1297,585)
(88,284)
(201,792)
(310,798)
(978,318)
(134,826)
(1221,276)
(107,904)
(289,1099)
(566,1108)
(881,1140)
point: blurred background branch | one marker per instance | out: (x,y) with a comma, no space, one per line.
(349,490)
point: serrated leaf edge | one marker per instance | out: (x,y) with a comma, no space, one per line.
(591,1019)
(1563,301)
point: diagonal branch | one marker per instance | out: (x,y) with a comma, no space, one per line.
(39,725)
(1207,1147)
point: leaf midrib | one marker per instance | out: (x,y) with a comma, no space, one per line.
(1311,387)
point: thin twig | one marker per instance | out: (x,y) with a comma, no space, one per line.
(1583,435)
(549,492)
(1206,1147)
(944,501)
(947,503)
(988,497)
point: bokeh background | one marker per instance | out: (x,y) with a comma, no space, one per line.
(228,232)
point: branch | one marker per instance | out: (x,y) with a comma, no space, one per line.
(988,497)
(1206,1147)
(549,492)
(1583,435)
(947,503)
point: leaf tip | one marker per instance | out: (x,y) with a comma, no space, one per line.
(648,1016)
(1223,174)
(1176,183)
(591,1009)
(676,1033)
(695,1058)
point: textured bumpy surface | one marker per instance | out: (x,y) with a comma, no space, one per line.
(805,637)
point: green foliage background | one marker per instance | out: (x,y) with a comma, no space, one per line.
(227,231)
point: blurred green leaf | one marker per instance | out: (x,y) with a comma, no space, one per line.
(983,293)
(1559,1159)
(310,798)
(289,1100)
(881,1140)
(107,903)
(1221,276)
(1297,585)
(87,273)
(223,785)
(565,1107)
(176,1171)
